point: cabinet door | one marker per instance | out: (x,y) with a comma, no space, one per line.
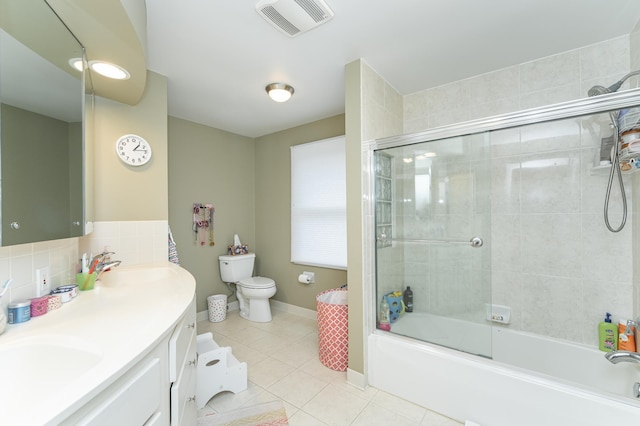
(183,336)
(131,402)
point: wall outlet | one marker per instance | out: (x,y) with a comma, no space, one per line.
(43,281)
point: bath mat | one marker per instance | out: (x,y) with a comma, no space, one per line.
(267,414)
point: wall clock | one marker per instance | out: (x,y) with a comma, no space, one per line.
(133,150)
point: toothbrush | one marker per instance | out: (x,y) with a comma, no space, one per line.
(5,287)
(91,269)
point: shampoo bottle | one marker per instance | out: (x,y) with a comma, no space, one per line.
(626,337)
(407,298)
(608,335)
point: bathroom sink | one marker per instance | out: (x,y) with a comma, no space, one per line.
(34,369)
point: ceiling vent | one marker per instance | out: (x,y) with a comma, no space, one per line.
(294,17)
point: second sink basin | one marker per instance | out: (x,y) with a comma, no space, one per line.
(36,368)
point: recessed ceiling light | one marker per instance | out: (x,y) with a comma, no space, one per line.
(76,64)
(109,70)
(279,92)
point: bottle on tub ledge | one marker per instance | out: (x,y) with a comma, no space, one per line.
(384,322)
(626,337)
(407,298)
(608,335)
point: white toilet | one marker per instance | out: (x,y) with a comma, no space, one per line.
(253,292)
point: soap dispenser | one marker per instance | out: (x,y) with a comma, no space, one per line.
(607,335)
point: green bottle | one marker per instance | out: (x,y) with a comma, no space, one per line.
(607,335)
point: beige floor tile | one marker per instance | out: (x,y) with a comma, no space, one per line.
(268,371)
(377,415)
(434,419)
(335,406)
(298,388)
(393,403)
(304,419)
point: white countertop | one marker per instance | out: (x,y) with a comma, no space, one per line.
(130,309)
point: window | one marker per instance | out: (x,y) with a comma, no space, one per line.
(319,204)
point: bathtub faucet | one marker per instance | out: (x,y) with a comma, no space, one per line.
(622,356)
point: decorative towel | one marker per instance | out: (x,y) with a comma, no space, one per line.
(203,223)
(173,250)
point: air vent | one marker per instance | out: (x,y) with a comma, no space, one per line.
(294,17)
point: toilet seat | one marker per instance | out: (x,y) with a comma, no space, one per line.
(257,282)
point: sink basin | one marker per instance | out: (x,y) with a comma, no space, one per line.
(35,368)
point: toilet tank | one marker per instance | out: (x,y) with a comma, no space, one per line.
(236,268)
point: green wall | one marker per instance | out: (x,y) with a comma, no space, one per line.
(273,218)
(248,182)
(208,165)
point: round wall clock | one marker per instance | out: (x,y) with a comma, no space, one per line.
(133,150)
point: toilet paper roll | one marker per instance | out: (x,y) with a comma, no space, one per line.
(304,279)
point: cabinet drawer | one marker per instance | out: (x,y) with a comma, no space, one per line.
(183,391)
(181,338)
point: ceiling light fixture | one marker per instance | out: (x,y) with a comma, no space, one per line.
(76,64)
(109,70)
(279,92)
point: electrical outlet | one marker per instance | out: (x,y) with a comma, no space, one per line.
(43,282)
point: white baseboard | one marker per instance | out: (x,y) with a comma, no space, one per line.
(275,305)
(356,379)
(204,315)
(292,309)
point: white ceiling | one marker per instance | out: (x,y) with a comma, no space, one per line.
(219,55)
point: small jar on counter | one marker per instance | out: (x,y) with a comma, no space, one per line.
(39,306)
(19,312)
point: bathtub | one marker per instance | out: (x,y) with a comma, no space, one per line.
(531,380)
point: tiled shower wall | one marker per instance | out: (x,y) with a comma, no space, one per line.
(565,275)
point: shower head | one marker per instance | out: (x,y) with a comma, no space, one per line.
(601,90)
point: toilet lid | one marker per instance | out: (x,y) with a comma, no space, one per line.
(257,282)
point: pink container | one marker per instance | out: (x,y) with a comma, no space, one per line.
(39,306)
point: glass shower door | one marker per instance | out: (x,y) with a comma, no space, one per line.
(433,221)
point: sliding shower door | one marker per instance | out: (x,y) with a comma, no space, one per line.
(433,222)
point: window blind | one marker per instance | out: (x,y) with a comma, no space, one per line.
(318,203)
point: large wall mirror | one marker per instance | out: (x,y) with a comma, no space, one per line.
(42,135)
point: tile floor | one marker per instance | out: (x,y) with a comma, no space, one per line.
(282,360)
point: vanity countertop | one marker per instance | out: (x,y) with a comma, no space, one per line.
(53,364)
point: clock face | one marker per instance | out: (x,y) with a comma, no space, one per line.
(133,150)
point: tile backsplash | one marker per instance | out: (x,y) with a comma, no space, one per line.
(133,242)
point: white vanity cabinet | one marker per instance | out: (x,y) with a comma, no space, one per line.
(136,398)
(183,363)
(138,327)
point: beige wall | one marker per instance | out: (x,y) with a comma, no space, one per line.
(273,214)
(122,192)
(208,165)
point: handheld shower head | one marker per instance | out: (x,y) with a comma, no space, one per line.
(598,90)
(601,90)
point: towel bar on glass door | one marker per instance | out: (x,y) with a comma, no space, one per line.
(475,242)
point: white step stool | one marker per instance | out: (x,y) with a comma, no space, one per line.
(218,370)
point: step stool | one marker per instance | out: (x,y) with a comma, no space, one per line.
(218,370)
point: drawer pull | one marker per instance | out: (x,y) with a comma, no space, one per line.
(191,398)
(194,362)
(212,362)
(192,325)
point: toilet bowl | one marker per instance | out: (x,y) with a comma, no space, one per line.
(253,293)
(253,297)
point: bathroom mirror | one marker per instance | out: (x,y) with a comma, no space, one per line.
(42,146)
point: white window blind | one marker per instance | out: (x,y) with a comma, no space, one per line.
(319,203)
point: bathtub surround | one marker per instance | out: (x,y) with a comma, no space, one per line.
(549,80)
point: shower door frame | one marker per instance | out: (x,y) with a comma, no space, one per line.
(570,109)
